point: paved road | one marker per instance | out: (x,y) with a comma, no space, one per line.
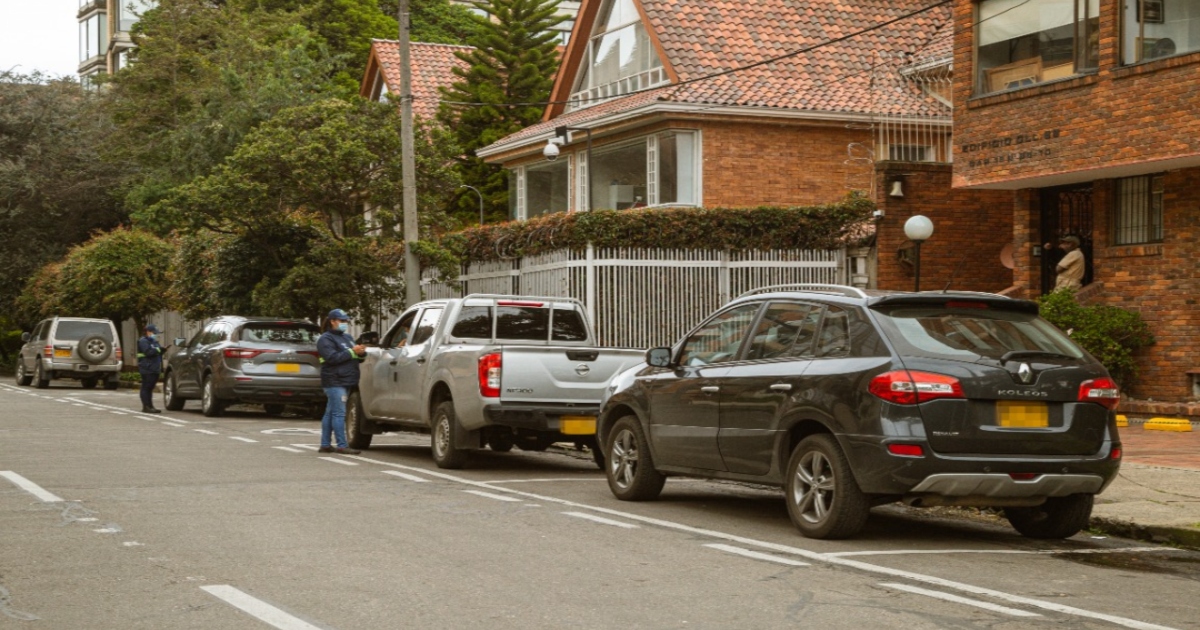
(116,519)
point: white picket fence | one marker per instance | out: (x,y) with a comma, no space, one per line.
(639,298)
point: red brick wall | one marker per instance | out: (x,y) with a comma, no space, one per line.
(970,228)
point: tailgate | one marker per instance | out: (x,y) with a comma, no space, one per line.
(558,374)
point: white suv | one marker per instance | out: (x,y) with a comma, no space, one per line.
(70,347)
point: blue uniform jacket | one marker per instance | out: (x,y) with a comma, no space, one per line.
(339,364)
(149,355)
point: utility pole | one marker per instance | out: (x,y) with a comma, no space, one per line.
(408,163)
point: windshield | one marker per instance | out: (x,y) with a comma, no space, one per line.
(280,333)
(969,334)
(74,331)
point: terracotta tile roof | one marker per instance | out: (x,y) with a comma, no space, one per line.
(432,68)
(703,37)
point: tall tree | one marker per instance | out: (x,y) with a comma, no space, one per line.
(435,21)
(511,70)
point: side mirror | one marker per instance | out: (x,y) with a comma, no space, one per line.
(369,338)
(179,341)
(25,337)
(658,357)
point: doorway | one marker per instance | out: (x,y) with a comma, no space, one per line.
(1066,210)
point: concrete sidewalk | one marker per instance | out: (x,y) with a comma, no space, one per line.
(1157,495)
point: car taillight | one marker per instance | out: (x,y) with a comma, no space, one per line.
(245,353)
(120,354)
(909,387)
(1116,452)
(1102,391)
(48,352)
(489,375)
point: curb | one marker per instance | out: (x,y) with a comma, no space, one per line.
(1185,537)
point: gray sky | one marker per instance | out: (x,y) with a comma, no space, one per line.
(39,35)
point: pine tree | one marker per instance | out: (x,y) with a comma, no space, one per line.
(511,70)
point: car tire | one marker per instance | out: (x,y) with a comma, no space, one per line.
(275,410)
(823,499)
(210,405)
(442,438)
(356,434)
(39,377)
(1057,518)
(112,383)
(172,401)
(630,470)
(90,383)
(94,349)
(598,456)
(501,440)
(23,377)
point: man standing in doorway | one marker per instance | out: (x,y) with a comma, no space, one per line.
(1071,268)
(149,356)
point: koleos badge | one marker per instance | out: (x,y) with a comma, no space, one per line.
(1025,373)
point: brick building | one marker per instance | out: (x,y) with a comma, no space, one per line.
(1084,115)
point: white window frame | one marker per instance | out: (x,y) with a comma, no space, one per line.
(653,172)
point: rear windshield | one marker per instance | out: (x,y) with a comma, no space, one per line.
(74,331)
(970,334)
(527,323)
(280,333)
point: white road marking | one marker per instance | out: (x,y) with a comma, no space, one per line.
(133,544)
(960,600)
(804,553)
(757,555)
(288,449)
(497,497)
(1030,552)
(87,519)
(119,413)
(173,424)
(206,432)
(257,608)
(30,487)
(414,478)
(598,519)
(243,439)
(108,530)
(338,461)
(549,479)
(306,446)
(78,404)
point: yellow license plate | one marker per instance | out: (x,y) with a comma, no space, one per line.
(1022,414)
(60,353)
(287,368)
(577,425)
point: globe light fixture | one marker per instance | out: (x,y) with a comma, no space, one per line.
(918,229)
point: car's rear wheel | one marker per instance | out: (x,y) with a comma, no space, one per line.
(23,377)
(356,434)
(823,499)
(39,377)
(274,410)
(1058,517)
(90,383)
(210,405)
(171,398)
(630,470)
(442,438)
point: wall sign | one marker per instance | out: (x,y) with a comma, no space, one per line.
(1021,140)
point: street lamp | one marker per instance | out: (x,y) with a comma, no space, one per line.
(550,152)
(480,202)
(918,229)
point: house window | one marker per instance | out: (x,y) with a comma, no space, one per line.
(547,188)
(1153,29)
(656,170)
(93,36)
(1026,42)
(1138,217)
(910,153)
(619,58)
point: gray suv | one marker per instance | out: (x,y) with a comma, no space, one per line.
(267,361)
(70,347)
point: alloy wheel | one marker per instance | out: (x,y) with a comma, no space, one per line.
(624,458)
(814,489)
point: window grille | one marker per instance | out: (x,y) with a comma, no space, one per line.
(1138,214)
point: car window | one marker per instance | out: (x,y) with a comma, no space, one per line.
(74,331)
(474,322)
(398,336)
(281,332)
(968,334)
(39,333)
(720,339)
(568,325)
(783,325)
(196,338)
(523,322)
(426,325)
(834,338)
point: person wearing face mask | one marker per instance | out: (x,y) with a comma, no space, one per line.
(340,357)
(149,356)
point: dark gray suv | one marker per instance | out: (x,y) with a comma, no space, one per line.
(848,399)
(268,361)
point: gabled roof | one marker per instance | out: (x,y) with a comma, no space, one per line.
(700,38)
(432,67)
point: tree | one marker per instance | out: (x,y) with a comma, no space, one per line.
(435,21)
(54,187)
(510,74)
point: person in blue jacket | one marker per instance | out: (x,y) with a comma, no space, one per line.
(340,357)
(149,356)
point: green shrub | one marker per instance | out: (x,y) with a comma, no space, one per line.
(1109,333)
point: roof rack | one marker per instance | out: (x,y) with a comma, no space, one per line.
(835,289)
(499,296)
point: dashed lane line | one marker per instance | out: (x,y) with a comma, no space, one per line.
(338,461)
(396,473)
(206,432)
(257,608)
(950,597)
(288,449)
(32,488)
(1029,552)
(243,439)
(173,424)
(598,519)
(495,497)
(757,555)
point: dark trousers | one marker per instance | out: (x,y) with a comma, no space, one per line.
(149,380)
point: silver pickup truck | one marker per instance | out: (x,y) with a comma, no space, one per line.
(486,370)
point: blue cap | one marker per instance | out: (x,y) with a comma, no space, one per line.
(338,314)
(152,328)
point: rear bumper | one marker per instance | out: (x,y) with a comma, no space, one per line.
(268,390)
(79,369)
(544,418)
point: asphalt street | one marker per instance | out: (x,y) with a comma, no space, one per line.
(110,518)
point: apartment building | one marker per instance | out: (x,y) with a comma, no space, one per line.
(104,41)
